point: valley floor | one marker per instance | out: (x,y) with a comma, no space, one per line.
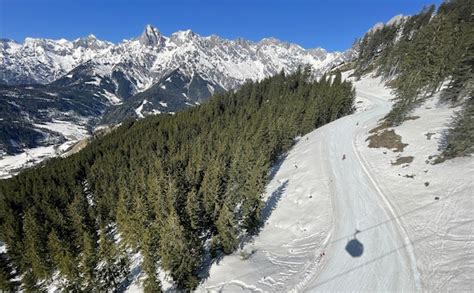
(361,224)
(75,135)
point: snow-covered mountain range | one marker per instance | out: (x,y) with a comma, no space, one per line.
(43,60)
(91,81)
(47,84)
(142,61)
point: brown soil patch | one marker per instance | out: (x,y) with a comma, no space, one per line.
(76,147)
(382,126)
(411,118)
(386,139)
(403,160)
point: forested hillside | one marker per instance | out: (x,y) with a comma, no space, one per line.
(418,54)
(162,186)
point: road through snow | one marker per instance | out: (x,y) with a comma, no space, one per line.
(369,250)
(315,204)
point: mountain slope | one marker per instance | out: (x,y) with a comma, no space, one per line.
(43,60)
(360,224)
(176,188)
(419,54)
(143,76)
(25,110)
(174,92)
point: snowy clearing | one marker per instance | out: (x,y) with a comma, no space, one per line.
(13,164)
(68,129)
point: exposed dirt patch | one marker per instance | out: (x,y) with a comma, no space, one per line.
(382,126)
(403,160)
(386,139)
(411,118)
(76,147)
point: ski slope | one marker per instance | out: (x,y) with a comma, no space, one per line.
(386,261)
(354,224)
(302,246)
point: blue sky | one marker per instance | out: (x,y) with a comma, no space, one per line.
(331,24)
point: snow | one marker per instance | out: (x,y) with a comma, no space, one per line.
(96,81)
(376,27)
(113,99)
(12,164)
(397,19)
(68,129)
(45,60)
(442,231)
(147,59)
(316,202)
(211,89)
(139,110)
(136,276)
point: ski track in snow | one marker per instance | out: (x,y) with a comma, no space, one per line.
(385,263)
(319,201)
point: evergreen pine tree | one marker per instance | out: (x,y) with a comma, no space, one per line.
(177,254)
(149,265)
(226,227)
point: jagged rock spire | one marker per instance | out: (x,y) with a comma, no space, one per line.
(151,36)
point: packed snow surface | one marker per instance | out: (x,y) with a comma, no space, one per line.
(356,224)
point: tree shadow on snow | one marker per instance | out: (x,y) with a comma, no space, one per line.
(270,205)
(207,262)
(276,166)
(272,202)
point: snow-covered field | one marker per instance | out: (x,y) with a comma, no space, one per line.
(356,224)
(12,164)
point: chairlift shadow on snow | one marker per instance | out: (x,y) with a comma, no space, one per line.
(354,247)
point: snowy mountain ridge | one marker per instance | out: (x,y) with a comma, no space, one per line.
(44,60)
(91,82)
(144,60)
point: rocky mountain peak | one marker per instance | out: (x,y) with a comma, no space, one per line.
(319,53)
(91,42)
(151,36)
(181,37)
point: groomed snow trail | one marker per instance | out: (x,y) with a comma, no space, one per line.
(315,204)
(369,249)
